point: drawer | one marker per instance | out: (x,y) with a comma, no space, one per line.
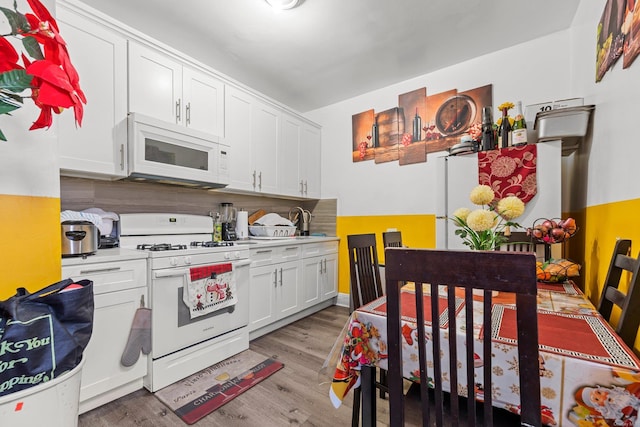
(319,249)
(110,276)
(274,254)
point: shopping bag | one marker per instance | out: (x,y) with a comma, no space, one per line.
(43,334)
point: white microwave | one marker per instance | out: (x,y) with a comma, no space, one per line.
(173,154)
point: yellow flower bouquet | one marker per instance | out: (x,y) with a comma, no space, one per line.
(485,227)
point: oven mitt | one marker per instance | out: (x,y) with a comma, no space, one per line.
(139,338)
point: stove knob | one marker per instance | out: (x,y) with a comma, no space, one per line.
(236,254)
(173,261)
(187,260)
(227,255)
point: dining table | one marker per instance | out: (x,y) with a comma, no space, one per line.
(588,375)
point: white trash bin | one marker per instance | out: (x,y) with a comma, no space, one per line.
(52,404)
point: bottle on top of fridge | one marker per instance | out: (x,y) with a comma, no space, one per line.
(519,128)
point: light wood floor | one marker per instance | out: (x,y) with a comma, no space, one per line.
(291,396)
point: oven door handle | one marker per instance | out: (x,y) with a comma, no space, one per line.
(170,273)
(185,271)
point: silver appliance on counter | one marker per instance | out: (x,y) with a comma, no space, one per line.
(79,238)
(178,245)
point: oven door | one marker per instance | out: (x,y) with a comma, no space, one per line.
(172,326)
(162,151)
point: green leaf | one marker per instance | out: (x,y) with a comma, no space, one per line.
(15,80)
(7,107)
(32,47)
(2,137)
(16,20)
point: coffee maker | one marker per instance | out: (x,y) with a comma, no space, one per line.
(228,217)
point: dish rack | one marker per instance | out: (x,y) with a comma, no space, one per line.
(272,230)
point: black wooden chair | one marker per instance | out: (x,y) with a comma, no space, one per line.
(366,286)
(518,241)
(612,295)
(484,270)
(392,239)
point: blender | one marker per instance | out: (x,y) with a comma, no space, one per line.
(228,215)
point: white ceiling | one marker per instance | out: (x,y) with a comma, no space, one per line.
(325,51)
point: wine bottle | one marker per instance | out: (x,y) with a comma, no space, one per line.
(417,127)
(519,132)
(505,129)
(488,141)
(374,134)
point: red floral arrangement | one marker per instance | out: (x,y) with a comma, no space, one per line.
(54,82)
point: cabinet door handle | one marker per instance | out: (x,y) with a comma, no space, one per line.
(178,111)
(188,108)
(99,270)
(301,187)
(324,263)
(275,278)
(305,187)
(264,251)
(121,156)
(280,277)
(260,181)
(254,179)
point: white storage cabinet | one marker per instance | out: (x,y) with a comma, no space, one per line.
(168,89)
(119,288)
(252,130)
(99,53)
(320,280)
(275,284)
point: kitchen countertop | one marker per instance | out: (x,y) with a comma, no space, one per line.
(105,255)
(299,240)
(120,254)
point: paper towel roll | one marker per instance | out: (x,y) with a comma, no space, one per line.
(242,225)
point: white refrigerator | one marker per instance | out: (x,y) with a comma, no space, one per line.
(458,175)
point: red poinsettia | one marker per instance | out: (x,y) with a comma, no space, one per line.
(52,78)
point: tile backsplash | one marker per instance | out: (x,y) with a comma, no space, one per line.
(131,197)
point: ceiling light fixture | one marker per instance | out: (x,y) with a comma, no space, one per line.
(283,4)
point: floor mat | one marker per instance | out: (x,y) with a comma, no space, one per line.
(203,392)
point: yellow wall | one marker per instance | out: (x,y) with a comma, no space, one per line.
(598,228)
(418,231)
(30,244)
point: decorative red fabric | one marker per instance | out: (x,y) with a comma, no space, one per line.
(510,171)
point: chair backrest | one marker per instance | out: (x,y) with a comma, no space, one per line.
(392,239)
(366,285)
(629,320)
(436,270)
(518,241)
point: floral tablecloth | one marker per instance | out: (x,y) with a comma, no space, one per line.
(588,376)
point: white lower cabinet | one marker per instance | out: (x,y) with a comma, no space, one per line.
(320,266)
(119,290)
(288,280)
(274,284)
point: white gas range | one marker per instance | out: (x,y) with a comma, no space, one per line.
(189,275)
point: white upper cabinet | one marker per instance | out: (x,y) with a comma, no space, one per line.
(252,132)
(288,176)
(169,90)
(238,107)
(99,53)
(265,135)
(299,158)
(309,161)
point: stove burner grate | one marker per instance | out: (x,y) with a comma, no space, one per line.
(160,247)
(211,244)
